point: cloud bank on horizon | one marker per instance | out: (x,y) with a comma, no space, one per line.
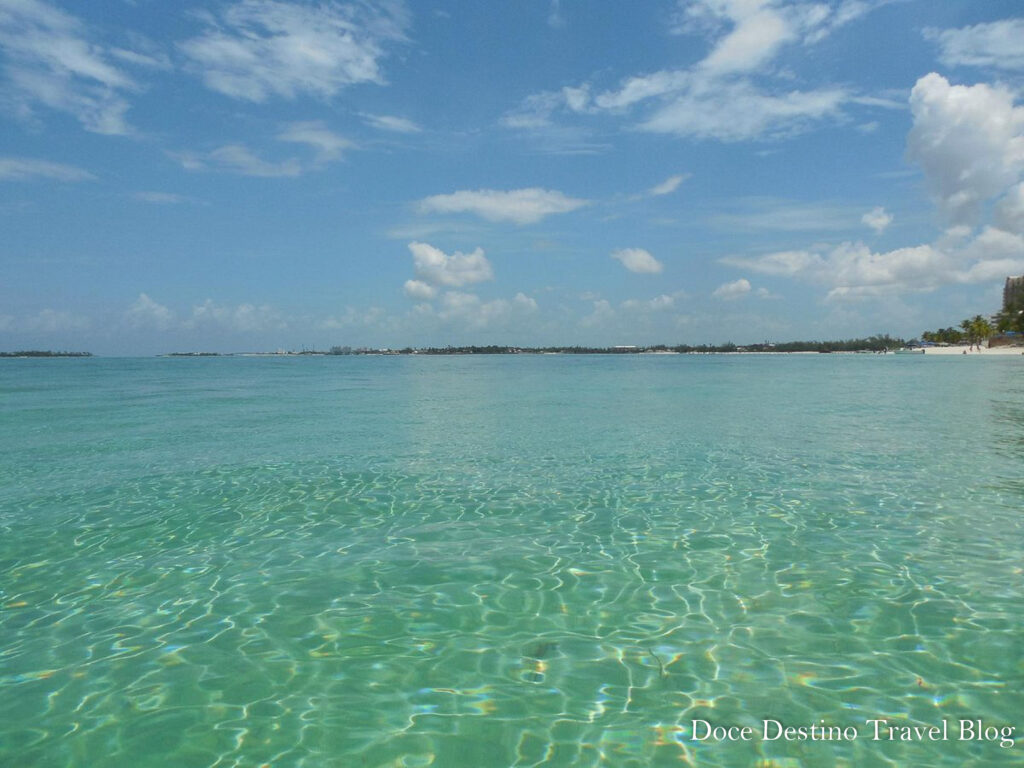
(255,174)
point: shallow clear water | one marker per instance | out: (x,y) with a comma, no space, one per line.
(507,561)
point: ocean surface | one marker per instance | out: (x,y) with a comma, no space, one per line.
(508,561)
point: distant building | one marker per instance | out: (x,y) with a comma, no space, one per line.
(1013,292)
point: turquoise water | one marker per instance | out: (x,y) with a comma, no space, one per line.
(508,561)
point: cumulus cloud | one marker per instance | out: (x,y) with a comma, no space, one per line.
(241,318)
(1009,212)
(417,289)
(437,271)
(25,168)
(257,49)
(734,290)
(638,260)
(52,59)
(354,318)
(660,303)
(853,270)
(602,313)
(998,44)
(469,309)
(877,218)
(146,313)
(436,268)
(969,140)
(520,206)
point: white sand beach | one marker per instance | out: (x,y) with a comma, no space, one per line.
(960,350)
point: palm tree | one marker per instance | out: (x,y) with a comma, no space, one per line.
(983,329)
(966,326)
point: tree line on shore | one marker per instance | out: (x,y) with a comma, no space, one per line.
(973,331)
(44,353)
(878,343)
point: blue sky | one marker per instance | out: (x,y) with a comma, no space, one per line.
(263,174)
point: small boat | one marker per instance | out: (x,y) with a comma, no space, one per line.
(906,351)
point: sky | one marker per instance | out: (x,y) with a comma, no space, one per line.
(254,175)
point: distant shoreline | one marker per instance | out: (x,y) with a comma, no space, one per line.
(725,349)
(27,353)
(878,344)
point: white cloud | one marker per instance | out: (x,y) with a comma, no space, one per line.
(660,303)
(325,146)
(160,198)
(877,218)
(417,289)
(669,185)
(781,263)
(56,321)
(235,158)
(51,59)
(26,168)
(435,267)
(782,215)
(316,135)
(602,313)
(153,59)
(263,48)
(470,310)
(240,319)
(762,26)
(534,112)
(733,94)
(391,123)
(1009,212)
(853,270)
(146,313)
(740,111)
(638,260)
(555,18)
(969,140)
(703,105)
(520,206)
(991,244)
(734,290)
(759,31)
(354,318)
(643,87)
(998,44)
